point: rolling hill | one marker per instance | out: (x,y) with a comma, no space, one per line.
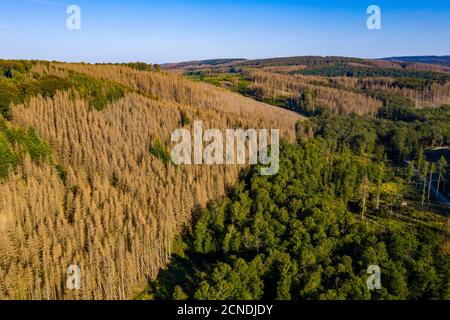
(440,60)
(86,179)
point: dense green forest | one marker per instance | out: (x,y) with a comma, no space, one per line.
(439,60)
(364,72)
(401,133)
(310,233)
(342,201)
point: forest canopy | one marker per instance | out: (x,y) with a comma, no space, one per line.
(298,235)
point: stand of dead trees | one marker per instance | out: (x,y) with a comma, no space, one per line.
(104,202)
(331,99)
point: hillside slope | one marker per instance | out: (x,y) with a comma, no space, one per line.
(103,198)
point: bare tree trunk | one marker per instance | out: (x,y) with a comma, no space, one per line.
(423,190)
(363,211)
(437,187)
(429,185)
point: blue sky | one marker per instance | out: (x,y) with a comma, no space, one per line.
(169,31)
